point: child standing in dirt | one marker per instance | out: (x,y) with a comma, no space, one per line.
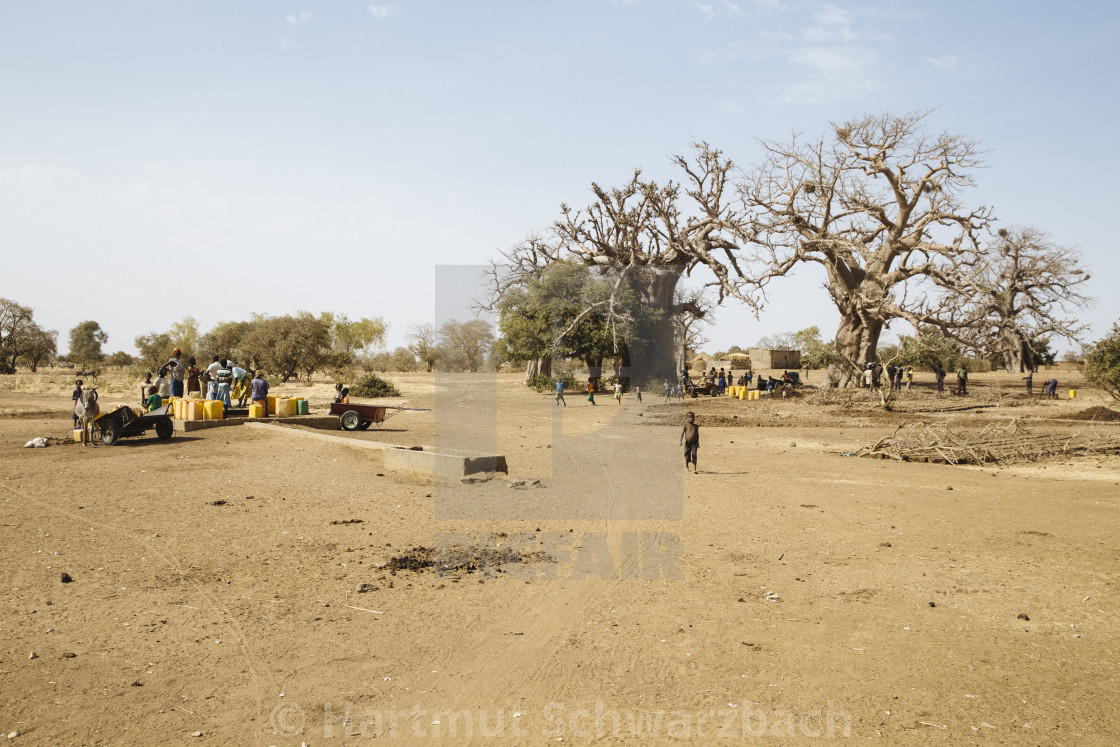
(147,382)
(690,438)
(560,394)
(591,391)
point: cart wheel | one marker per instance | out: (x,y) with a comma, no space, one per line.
(350,420)
(164,429)
(694,394)
(365,424)
(110,432)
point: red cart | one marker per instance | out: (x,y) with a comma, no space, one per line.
(354,417)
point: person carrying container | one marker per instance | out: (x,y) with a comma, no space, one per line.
(178,371)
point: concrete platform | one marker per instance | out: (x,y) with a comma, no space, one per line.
(421,461)
(359,443)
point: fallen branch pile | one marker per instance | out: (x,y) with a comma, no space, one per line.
(996,444)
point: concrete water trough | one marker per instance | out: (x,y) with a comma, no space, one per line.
(452,464)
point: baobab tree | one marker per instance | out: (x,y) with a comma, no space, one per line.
(1022,289)
(645,237)
(878,205)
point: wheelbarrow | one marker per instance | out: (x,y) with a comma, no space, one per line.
(354,417)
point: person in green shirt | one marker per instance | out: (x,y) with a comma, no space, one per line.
(962,380)
(154,401)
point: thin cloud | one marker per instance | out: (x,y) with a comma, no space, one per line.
(834,73)
(383,11)
(727,106)
(712,11)
(944,62)
(299,19)
(287,43)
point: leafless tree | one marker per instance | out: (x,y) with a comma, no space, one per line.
(688,325)
(877,204)
(1022,289)
(467,341)
(647,236)
(424,343)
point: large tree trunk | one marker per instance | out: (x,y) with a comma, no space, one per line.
(594,369)
(1017,357)
(857,339)
(653,358)
(538,367)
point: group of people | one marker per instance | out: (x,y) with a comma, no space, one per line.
(900,376)
(1049,386)
(896,376)
(217,381)
(618,391)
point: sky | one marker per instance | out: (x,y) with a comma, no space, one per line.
(216,158)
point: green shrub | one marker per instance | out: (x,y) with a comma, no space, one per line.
(1102,364)
(374,386)
(543,383)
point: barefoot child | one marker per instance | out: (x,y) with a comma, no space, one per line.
(690,437)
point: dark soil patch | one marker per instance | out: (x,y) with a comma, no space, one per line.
(1097,413)
(463,559)
(36,414)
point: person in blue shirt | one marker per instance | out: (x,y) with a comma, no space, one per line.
(560,393)
(260,392)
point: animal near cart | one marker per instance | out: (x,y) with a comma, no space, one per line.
(125,422)
(353,417)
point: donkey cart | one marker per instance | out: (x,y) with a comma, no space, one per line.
(125,422)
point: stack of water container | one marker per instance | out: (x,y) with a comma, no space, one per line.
(742,392)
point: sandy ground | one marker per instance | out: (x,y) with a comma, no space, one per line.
(788,592)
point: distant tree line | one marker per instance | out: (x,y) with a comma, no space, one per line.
(289,346)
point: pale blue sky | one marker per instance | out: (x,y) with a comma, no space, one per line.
(223,158)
